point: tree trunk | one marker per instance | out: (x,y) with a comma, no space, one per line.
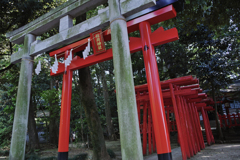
(90,108)
(218,127)
(93,120)
(53,125)
(81,117)
(98,72)
(111,134)
(32,131)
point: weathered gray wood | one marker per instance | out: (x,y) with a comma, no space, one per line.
(17,149)
(131,147)
(65,23)
(72,34)
(51,19)
(129,7)
(16,57)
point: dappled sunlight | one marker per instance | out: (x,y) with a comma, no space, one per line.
(227,146)
(232,146)
(218,152)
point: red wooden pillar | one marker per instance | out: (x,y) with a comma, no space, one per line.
(199,128)
(155,94)
(64,129)
(149,131)
(183,125)
(209,127)
(144,128)
(187,127)
(195,137)
(192,138)
(168,119)
(205,126)
(196,134)
(153,140)
(138,109)
(179,126)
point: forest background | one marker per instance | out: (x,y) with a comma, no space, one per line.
(208,49)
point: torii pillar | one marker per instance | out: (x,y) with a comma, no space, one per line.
(19,131)
(155,94)
(126,101)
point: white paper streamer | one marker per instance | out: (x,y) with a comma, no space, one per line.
(38,69)
(86,50)
(55,65)
(68,59)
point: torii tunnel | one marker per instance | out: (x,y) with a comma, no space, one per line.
(182,97)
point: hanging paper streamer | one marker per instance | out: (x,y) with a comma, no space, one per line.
(55,65)
(70,55)
(68,59)
(86,50)
(38,69)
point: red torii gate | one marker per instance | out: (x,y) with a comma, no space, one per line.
(183,99)
(167,98)
(143,98)
(146,43)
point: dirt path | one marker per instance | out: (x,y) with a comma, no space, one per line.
(213,152)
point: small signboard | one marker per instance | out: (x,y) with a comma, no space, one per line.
(97,42)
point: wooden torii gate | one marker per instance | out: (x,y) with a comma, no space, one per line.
(63,15)
(182,96)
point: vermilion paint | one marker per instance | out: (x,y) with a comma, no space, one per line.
(154,90)
(63,142)
(178,121)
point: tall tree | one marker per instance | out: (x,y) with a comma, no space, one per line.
(91,112)
(110,129)
(32,131)
(93,121)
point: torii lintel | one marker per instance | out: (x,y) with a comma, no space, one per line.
(135,43)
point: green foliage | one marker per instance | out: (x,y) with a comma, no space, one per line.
(213,60)
(15,14)
(211,13)
(94,12)
(4,153)
(8,92)
(51,99)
